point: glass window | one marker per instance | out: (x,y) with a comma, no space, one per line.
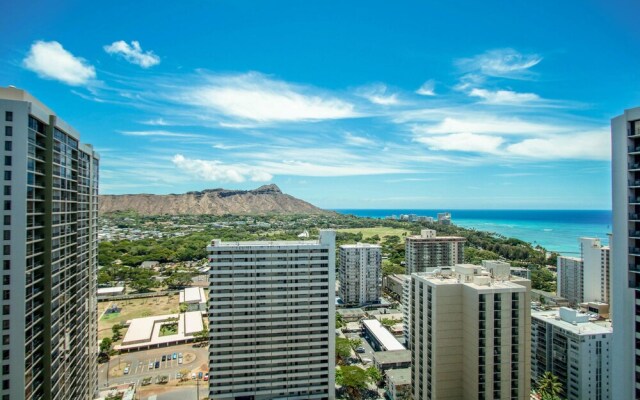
(8,131)
(8,116)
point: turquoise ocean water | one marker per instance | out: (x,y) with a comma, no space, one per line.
(555,230)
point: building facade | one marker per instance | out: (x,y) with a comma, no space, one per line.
(272,319)
(625,250)
(49,254)
(360,274)
(426,252)
(596,269)
(569,279)
(470,335)
(575,350)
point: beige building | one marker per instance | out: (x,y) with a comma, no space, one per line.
(360,273)
(470,335)
(426,252)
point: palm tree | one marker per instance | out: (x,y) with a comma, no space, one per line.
(549,387)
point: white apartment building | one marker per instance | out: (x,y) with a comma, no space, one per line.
(49,254)
(360,274)
(426,252)
(565,343)
(569,279)
(625,250)
(272,319)
(470,335)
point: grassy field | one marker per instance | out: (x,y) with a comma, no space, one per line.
(135,308)
(381,231)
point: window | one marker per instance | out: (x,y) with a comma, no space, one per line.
(7,205)
(7,175)
(7,219)
(6,265)
(7,235)
(6,294)
(8,145)
(7,161)
(6,250)
(5,325)
(6,279)
(8,116)
(7,190)
(8,130)
(6,310)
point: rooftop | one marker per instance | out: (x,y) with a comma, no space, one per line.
(579,328)
(111,290)
(392,357)
(400,376)
(193,295)
(382,335)
(360,245)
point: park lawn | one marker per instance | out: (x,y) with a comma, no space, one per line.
(381,231)
(135,308)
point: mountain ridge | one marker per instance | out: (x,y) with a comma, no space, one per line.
(266,199)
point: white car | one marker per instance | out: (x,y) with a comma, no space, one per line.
(180,360)
(150,364)
(193,375)
(126,371)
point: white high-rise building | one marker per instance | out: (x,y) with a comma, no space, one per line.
(575,350)
(272,319)
(585,279)
(470,335)
(625,251)
(426,252)
(49,254)
(569,279)
(360,273)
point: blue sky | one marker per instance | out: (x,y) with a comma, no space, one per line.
(457,104)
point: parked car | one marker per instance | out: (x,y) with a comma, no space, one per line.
(164,358)
(206,378)
(157,364)
(150,364)
(180,355)
(193,375)
(126,371)
(175,355)
(179,360)
(199,375)
(360,349)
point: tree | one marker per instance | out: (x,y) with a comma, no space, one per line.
(355,342)
(143,284)
(339,321)
(202,335)
(105,345)
(388,322)
(184,374)
(343,348)
(116,332)
(353,379)
(374,374)
(549,387)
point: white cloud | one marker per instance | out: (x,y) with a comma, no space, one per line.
(156,122)
(427,88)
(255,97)
(218,171)
(504,97)
(504,63)
(467,142)
(594,145)
(161,134)
(357,140)
(133,53)
(377,94)
(487,123)
(51,61)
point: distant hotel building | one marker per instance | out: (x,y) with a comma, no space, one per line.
(470,335)
(575,350)
(426,252)
(272,319)
(49,254)
(444,218)
(360,274)
(585,279)
(625,274)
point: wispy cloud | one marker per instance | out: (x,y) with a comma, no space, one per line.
(503,63)
(427,88)
(51,61)
(466,142)
(257,97)
(355,140)
(162,134)
(378,93)
(133,53)
(156,122)
(583,145)
(504,97)
(218,171)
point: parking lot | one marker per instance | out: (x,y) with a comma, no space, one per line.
(135,366)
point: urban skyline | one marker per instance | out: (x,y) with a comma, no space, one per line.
(445,114)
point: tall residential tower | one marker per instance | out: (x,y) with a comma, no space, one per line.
(625,251)
(49,254)
(426,252)
(272,319)
(360,273)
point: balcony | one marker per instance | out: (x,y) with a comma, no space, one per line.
(634,184)
(634,234)
(634,166)
(634,217)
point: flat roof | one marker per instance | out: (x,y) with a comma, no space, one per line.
(141,329)
(361,246)
(400,376)
(436,238)
(391,357)
(382,335)
(264,243)
(193,322)
(580,328)
(111,290)
(193,295)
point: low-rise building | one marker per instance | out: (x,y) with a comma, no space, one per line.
(576,350)
(379,337)
(393,284)
(110,291)
(399,383)
(385,360)
(194,298)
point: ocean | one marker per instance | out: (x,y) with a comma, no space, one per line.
(555,230)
